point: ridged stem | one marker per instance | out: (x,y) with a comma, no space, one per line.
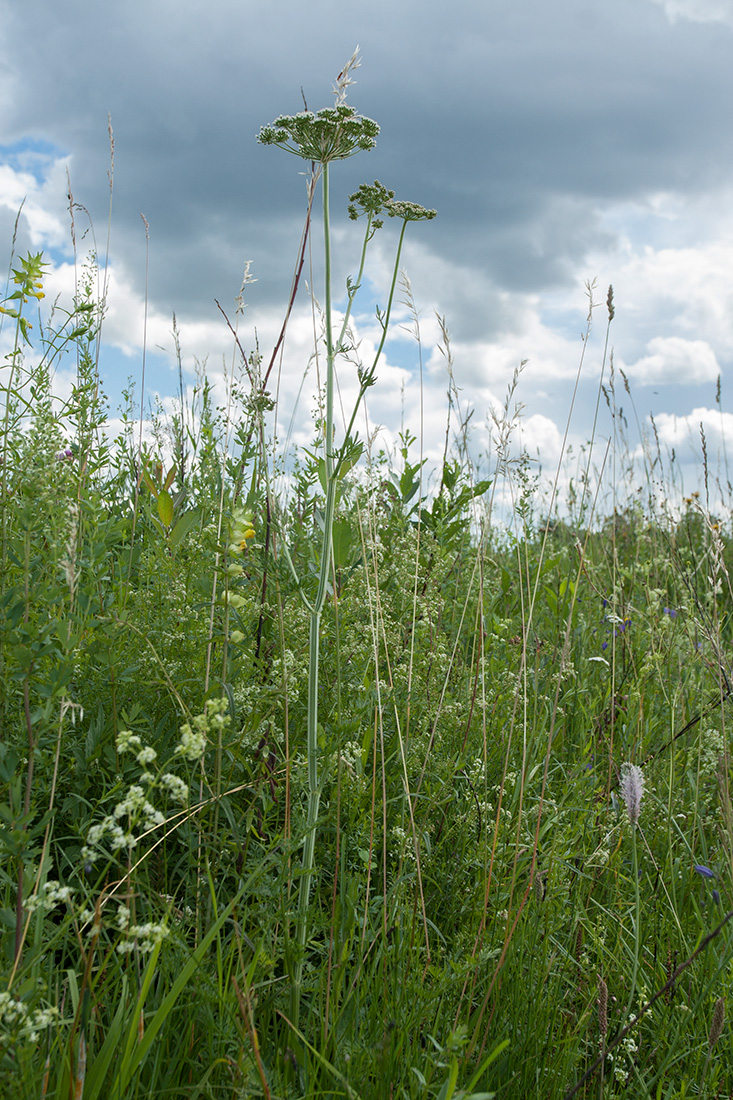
(314,789)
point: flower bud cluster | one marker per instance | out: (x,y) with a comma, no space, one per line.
(333,133)
(374,199)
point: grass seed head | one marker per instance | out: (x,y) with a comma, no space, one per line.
(716,1024)
(602,1008)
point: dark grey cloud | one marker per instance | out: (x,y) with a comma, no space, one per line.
(518,122)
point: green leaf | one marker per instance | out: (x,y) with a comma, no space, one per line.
(165,507)
(351,452)
(321,467)
(343,543)
(135,1051)
(150,483)
(483,1067)
(25,325)
(8,763)
(183,525)
(449,1086)
(96,1076)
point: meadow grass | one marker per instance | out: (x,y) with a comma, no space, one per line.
(350,791)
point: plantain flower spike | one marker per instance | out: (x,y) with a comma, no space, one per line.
(632,790)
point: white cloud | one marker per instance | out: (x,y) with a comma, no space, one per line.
(698,11)
(674,360)
(687,430)
(679,292)
(685,456)
(42,203)
(541,437)
(689,286)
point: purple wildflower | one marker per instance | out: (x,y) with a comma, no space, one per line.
(706,872)
(669,611)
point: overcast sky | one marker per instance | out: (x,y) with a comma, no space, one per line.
(560,144)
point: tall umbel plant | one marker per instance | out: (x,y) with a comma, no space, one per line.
(333,134)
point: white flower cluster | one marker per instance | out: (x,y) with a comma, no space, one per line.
(51,895)
(135,810)
(142,937)
(88,919)
(136,806)
(138,811)
(117,839)
(18,1022)
(193,740)
(629,1049)
(122,920)
(351,756)
(174,787)
(194,734)
(126,741)
(406,845)
(712,748)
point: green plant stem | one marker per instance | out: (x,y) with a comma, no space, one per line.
(637,921)
(357,283)
(326,558)
(368,378)
(19,935)
(314,789)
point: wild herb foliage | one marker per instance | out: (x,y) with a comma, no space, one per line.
(494,860)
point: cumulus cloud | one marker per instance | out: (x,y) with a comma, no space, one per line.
(674,360)
(542,439)
(692,444)
(688,430)
(39,201)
